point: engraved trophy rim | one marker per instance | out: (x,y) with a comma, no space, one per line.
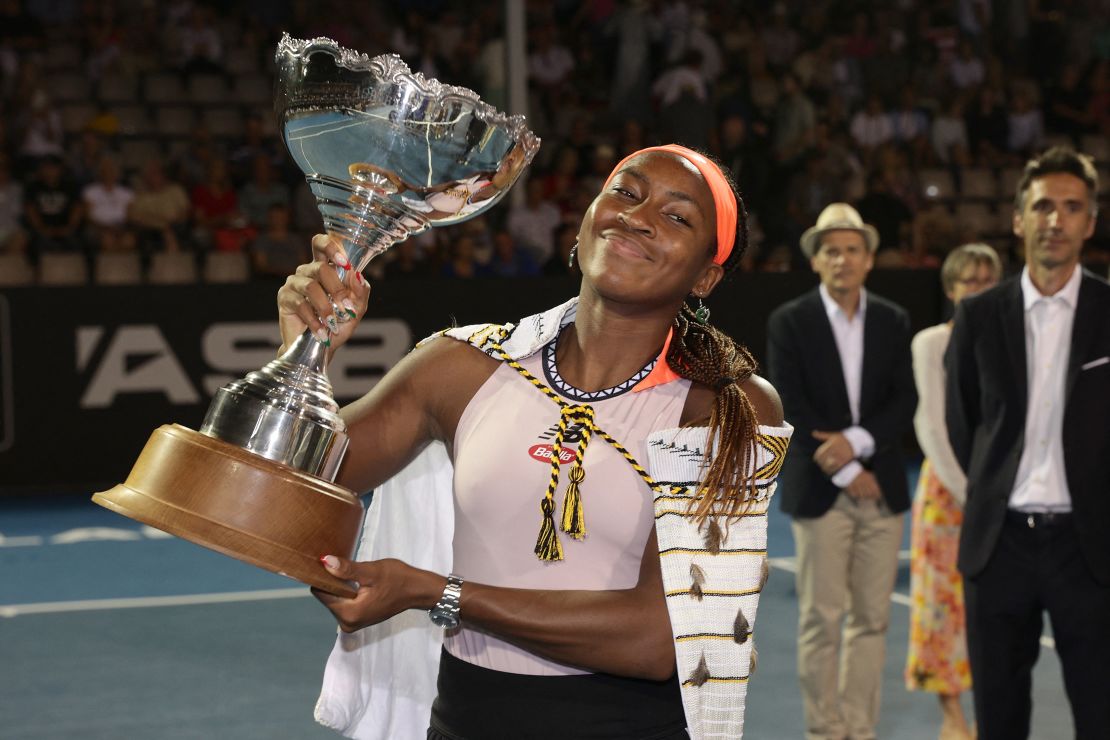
(391,67)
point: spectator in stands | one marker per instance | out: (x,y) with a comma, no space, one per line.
(277,251)
(261,193)
(601,161)
(85,156)
(871,126)
(490,70)
(747,158)
(888,213)
(199,43)
(1025,125)
(931,78)
(933,233)
(987,127)
(681,95)
(460,260)
(107,202)
(404,261)
(219,224)
(949,134)
(794,122)
(159,212)
(195,161)
(966,69)
(763,85)
(550,64)
(509,260)
(636,28)
(54,210)
(255,143)
(561,181)
(781,42)
(42,129)
(12,236)
(533,223)
(911,126)
(807,194)
(1098,111)
(1066,104)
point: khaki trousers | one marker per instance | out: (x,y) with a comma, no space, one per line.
(847,563)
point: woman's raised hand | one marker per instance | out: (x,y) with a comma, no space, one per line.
(315,298)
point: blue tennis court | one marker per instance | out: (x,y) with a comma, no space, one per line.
(109,629)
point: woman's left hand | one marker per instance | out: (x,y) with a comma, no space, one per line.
(385,588)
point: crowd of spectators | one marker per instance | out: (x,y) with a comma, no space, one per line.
(135,127)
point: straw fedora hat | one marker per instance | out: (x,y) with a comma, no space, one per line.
(838,217)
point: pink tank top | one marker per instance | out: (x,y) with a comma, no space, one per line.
(502,468)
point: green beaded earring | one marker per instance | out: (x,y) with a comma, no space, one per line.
(701,314)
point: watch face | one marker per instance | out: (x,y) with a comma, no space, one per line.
(442,619)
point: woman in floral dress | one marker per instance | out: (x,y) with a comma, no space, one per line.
(937,660)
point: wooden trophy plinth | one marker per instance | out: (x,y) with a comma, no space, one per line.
(225,498)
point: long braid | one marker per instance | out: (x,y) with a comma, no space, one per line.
(704,354)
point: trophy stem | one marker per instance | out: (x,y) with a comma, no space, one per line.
(364,216)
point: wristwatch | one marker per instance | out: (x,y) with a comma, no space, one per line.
(446,611)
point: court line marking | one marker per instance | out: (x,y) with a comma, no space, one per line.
(790,565)
(143,602)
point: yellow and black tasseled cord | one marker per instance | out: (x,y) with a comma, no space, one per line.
(574,521)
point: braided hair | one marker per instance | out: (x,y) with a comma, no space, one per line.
(704,354)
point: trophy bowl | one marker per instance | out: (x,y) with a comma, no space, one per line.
(387,154)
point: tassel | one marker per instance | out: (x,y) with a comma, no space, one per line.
(574,518)
(700,674)
(753,661)
(698,577)
(764,573)
(547,546)
(713,536)
(741,628)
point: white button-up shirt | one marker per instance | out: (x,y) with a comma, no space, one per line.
(848,333)
(1041,483)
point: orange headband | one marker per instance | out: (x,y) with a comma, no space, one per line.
(723,198)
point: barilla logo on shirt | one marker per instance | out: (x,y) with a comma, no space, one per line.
(542,452)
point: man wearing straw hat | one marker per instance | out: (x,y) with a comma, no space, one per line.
(840,358)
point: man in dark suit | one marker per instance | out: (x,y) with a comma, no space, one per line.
(840,358)
(1028,410)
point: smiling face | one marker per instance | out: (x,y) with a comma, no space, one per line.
(1055,219)
(650,235)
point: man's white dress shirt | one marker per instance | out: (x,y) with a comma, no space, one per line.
(1041,483)
(848,333)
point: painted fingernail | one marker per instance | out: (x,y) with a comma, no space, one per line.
(361,279)
(333,323)
(341,260)
(322,335)
(350,306)
(330,561)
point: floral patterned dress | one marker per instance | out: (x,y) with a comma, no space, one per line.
(937,659)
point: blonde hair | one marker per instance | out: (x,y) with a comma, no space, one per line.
(968,254)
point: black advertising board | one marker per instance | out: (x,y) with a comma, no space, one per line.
(86,374)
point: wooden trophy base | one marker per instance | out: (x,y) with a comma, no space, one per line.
(232,501)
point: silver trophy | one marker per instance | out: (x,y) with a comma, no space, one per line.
(388,154)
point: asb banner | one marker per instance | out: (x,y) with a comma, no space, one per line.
(86,374)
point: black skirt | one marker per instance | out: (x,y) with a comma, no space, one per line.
(481,704)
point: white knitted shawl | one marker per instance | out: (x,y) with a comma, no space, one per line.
(379,682)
